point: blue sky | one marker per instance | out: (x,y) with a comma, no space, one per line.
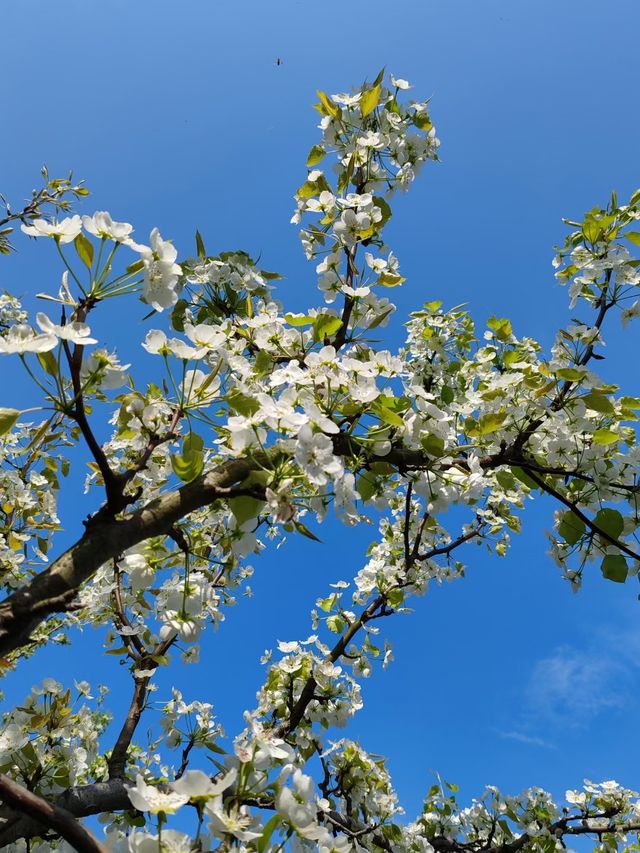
(177,115)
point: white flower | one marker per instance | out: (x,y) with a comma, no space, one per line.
(147,798)
(64,231)
(314,454)
(239,822)
(103,369)
(102,225)
(155,342)
(172,842)
(12,739)
(21,338)
(160,272)
(297,804)
(399,83)
(196,785)
(77,333)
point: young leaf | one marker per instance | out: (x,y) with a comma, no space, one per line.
(84,248)
(8,417)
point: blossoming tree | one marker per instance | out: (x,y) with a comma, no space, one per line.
(260,422)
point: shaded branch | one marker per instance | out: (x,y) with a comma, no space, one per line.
(105,539)
(47,816)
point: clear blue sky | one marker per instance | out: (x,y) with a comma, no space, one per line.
(177,115)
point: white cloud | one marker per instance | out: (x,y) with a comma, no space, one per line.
(527,739)
(571,686)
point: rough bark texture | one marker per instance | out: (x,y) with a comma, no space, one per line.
(28,815)
(52,590)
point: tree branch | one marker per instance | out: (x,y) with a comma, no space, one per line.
(48,816)
(104,539)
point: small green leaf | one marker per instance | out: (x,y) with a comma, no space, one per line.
(605,437)
(491,422)
(202,254)
(84,248)
(370,100)
(389,279)
(242,403)
(325,325)
(501,326)
(610,521)
(598,403)
(614,568)
(263,842)
(571,528)
(48,362)
(433,444)
(571,374)
(366,486)
(136,266)
(178,313)
(316,154)
(8,417)
(302,528)
(298,319)
(634,237)
(422,122)
(328,107)
(245,508)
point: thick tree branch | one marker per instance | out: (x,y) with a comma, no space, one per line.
(105,539)
(49,816)
(118,759)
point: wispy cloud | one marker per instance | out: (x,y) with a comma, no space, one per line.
(572,687)
(527,739)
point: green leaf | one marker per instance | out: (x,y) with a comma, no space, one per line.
(366,486)
(370,100)
(178,313)
(389,279)
(447,394)
(325,325)
(605,437)
(610,521)
(84,248)
(264,363)
(387,415)
(263,842)
(8,418)
(491,422)
(48,362)
(571,374)
(136,266)
(571,528)
(193,443)
(422,122)
(202,254)
(614,568)
(302,528)
(316,154)
(598,403)
(245,508)
(501,326)
(521,475)
(384,208)
(634,237)
(189,464)
(242,403)
(328,107)
(433,444)
(298,319)
(630,402)
(395,598)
